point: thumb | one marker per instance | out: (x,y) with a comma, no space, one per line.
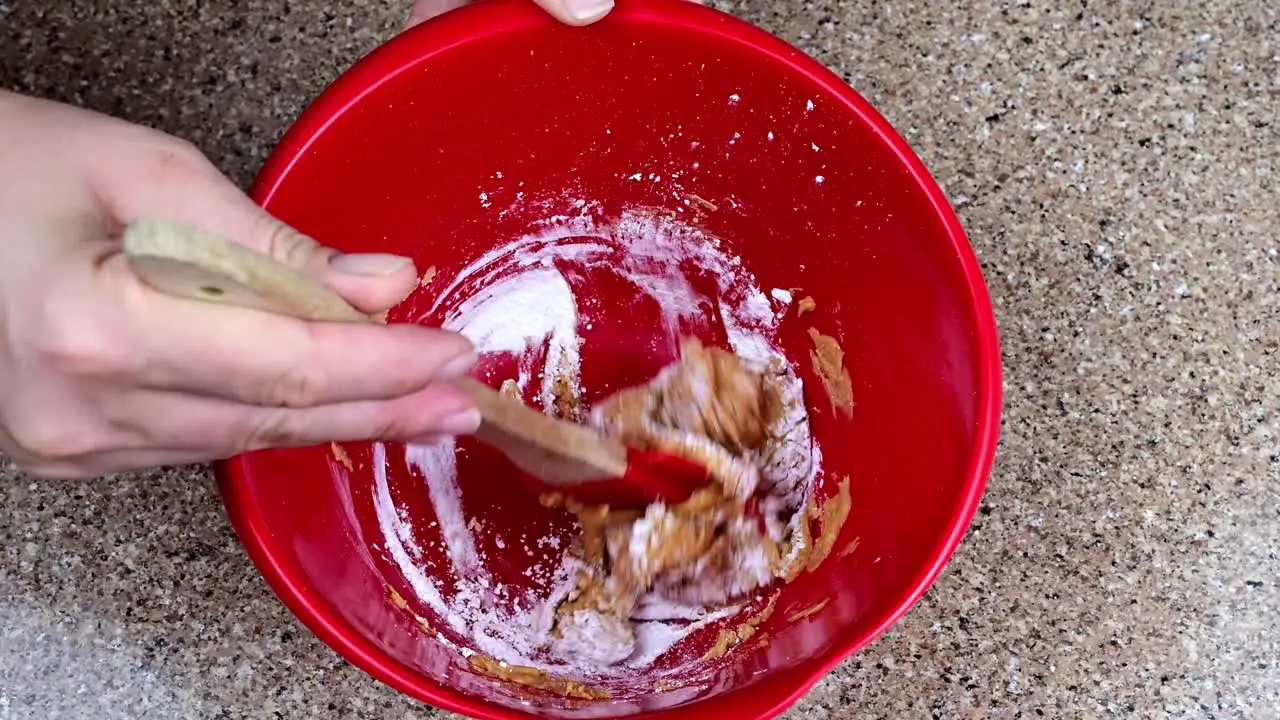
(577,12)
(424,10)
(372,282)
(184,186)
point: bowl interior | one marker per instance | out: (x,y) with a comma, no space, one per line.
(444,150)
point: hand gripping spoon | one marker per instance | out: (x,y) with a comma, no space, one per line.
(564,457)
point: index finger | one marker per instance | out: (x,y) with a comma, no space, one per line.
(265,359)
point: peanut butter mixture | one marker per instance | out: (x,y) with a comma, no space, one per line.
(828,363)
(727,540)
(535,678)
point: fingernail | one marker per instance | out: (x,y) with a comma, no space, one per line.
(374,264)
(457,367)
(587,10)
(460,423)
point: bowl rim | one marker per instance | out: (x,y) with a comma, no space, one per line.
(494,17)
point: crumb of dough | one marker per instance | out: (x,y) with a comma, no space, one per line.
(564,395)
(850,548)
(427,277)
(341,456)
(535,678)
(398,600)
(752,625)
(730,638)
(765,613)
(665,685)
(808,612)
(763,641)
(724,643)
(806,304)
(511,389)
(834,513)
(704,202)
(828,362)
(656,212)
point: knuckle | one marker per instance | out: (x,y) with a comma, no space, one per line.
(175,162)
(390,428)
(181,156)
(42,438)
(394,424)
(52,470)
(83,349)
(86,355)
(266,430)
(281,241)
(300,385)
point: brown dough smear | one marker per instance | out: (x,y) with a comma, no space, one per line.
(828,362)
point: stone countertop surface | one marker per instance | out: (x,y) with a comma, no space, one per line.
(1116,167)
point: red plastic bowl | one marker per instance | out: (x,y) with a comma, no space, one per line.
(464,133)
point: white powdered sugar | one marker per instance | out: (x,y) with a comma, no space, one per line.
(515,300)
(519,312)
(437,466)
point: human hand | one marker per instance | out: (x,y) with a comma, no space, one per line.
(98,373)
(571,12)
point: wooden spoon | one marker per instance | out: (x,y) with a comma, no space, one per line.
(185,262)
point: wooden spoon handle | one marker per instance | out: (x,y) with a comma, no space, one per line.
(186,262)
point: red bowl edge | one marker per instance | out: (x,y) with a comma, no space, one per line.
(494,16)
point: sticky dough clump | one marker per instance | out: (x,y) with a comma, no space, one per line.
(746,423)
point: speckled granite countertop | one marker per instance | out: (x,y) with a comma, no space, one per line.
(1116,167)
